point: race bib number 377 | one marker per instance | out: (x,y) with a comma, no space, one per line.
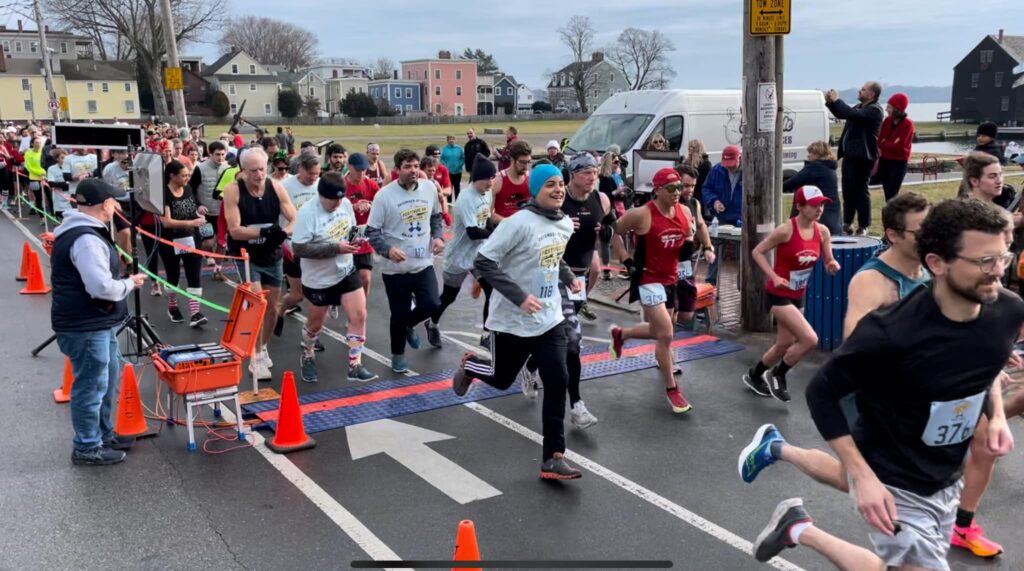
(953,422)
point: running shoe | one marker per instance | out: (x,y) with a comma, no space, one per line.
(307,368)
(279,325)
(259,368)
(398,364)
(775,537)
(758,384)
(99,456)
(615,347)
(156,290)
(218,276)
(210,262)
(174,314)
(360,374)
(581,417)
(266,358)
(677,400)
(198,320)
(461,382)
(973,539)
(777,386)
(319,347)
(587,313)
(412,337)
(293,309)
(528,381)
(757,455)
(433,334)
(556,468)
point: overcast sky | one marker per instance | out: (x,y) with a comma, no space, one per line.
(832,44)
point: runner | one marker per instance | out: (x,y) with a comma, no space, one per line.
(920,371)
(360,190)
(337,156)
(661,227)
(798,244)
(691,254)
(513,185)
(472,226)
(204,182)
(301,189)
(378,171)
(522,260)
(253,206)
(405,229)
(322,241)
(181,220)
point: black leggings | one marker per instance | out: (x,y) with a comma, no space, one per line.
(401,289)
(856,197)
(456,184)
(193,266)
(890,175)
(571,311)
(509,353)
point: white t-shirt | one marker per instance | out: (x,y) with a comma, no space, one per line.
(315,225)
(56,174)
(115,175)
(299,193)
(471,210)
(528,248)
(403,216)
(77,165)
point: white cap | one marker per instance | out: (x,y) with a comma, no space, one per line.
(554,143)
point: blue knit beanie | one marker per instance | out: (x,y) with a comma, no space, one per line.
(540,175)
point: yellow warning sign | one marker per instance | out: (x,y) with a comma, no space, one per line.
(173,79)
(770,17)
(63,103)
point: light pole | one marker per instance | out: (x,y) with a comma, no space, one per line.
(43,49)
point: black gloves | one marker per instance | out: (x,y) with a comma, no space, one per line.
(630,267)
(274,235)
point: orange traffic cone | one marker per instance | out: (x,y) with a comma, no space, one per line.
(63,394)
(291,434)
(130,419)
(466,548)
(36,281)
(26,258)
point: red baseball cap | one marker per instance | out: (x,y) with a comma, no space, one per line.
(665,177)
(810,194)
(731,156)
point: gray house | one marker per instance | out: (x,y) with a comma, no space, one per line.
(602,79)
(505,94)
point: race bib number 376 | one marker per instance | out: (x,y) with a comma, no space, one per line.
(953,422)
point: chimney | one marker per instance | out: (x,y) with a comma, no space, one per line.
(1000,35)
(20,28)
(597,57)
(444,54)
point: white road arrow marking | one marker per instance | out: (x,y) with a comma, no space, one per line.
(407,444)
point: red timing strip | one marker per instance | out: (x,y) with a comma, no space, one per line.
(179,246)
(646,349)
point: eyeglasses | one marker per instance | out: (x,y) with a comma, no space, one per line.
(281,169)
(988,263)
(524,163)
(435,154)
(657,142)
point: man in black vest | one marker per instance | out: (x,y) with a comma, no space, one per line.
(88,307)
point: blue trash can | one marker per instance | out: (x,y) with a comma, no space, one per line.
(826,294)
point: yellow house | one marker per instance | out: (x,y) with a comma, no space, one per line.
(95,90)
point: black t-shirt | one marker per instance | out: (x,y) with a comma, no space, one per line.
(921,382)
(182,208)
(580,250)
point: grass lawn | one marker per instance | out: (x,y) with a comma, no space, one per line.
(924,127)
(369,132)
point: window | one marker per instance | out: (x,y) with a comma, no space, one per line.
(252,69)
(63,47)
(986,56)
(1004,103)
(25,84)
(426,74)
(28,105)
(361,90)
(33,47)
(408,93)
(234,68)
(92,106)
(398,92)
(437,108)
(89,87)
(437,90)
(17,47)
(999,79)
(458,74)
(458,91)
(231,89)
(252,87)
(611,78)
(7,45)
(437,74)
(974,80)
(458,110)
(127,87)
(129,106)
(334,73)
(106,87)
(267,109)
(234,108)
(672,129)
(312,92)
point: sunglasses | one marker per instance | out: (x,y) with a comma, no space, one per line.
(281,169)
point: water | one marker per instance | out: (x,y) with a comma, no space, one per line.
(924,112)
(954,147)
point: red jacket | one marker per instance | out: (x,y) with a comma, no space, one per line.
(894,140)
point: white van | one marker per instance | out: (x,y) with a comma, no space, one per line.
(630,118)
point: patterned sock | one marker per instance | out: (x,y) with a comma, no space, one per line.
(309,341)
(355,349)
(172,299)
(193,304)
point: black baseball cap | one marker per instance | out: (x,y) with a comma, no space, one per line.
(93,191)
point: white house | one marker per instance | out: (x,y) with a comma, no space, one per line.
(525,98)
(242,78)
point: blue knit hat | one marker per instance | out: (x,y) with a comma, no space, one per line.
(540,175)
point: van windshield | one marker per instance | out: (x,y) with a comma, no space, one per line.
(600,131)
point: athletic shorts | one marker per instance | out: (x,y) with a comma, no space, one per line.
(926,527)
(268,276)
(681,296)
(291,267)
(332,295)
(778,300)
(363,261)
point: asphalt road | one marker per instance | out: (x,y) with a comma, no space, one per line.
(656,486)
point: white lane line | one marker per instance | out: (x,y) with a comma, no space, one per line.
(597,340)
(344,519)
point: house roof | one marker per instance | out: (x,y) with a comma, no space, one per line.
(403,82)
(1013,45)
(290,77)
(87,70)
(1018,83)
(220,62)
(509,79)
(574,67)
(24,67)
(230,78)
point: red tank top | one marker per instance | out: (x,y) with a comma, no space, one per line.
(662,244)
(506,203)
(795,261)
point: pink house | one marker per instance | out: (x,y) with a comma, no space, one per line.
(449,85)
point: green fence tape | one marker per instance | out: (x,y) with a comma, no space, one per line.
(34,207)
(174,288)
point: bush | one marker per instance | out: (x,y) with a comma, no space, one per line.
(358,105)
(220,105)
(289,103)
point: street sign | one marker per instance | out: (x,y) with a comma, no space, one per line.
(173,79)
(767,107)
(54,104)
(770,17)
(63,103)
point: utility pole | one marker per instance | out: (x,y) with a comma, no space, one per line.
(44,52)
(177,94)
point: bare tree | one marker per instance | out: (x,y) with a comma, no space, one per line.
(641,56)
(271,42)
(578,36)
(137,30)
(382,68)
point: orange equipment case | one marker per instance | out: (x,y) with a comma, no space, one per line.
(240,336)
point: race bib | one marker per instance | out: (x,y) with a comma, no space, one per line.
(261,239)
(652,294)
(798,279)
(582,295)
(187,242)
(416,252)
(685,270)
(953,422)
(545,283)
